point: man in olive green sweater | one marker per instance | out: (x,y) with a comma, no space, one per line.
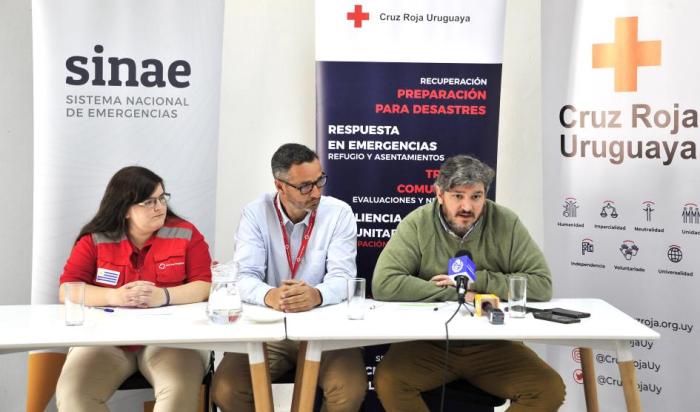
(412,268)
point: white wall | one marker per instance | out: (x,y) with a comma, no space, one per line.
(268,98)
(15,181)
(519,171)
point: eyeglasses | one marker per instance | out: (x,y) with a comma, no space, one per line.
(151,202)
(306,188)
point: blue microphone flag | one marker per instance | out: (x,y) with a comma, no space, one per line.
(462,265)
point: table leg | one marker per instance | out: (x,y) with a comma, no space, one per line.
(260,376)
(43,371)
(628,374)
(299,376)
(590,386)
(309,361)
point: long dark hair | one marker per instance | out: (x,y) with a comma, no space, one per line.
(130,185)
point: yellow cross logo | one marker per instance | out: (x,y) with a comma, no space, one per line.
(626,54)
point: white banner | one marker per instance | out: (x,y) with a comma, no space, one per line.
(464,31)
(158,107)
(620,124)
(120,83)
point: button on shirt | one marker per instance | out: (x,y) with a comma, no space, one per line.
(329,260)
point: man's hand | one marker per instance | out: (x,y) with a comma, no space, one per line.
(139,294)
(443,281)
(293,296)
(298,296)
(446,281)
(272,297)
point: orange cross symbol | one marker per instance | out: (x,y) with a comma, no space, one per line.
(626,54)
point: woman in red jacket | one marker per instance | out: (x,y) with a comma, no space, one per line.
(136,253)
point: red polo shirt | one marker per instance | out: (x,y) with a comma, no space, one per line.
(176,254)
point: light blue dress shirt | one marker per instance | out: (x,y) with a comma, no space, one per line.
(329,260)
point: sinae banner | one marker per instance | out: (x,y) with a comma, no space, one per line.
(120,83)
(622,178)
(401,86)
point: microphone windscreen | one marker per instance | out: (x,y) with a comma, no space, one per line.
(463,252)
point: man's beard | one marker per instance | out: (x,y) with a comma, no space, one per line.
(459,230)
(312,205)
(307,206)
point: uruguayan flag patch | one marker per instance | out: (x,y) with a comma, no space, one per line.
(107,276)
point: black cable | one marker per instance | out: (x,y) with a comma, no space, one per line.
(447,351)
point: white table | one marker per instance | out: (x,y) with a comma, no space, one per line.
(328,328)
(31,327)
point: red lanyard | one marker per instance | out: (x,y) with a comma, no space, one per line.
(294,266)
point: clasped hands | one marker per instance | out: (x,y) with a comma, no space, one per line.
(138,294)
(293,296)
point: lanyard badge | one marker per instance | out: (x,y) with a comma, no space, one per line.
(294,265)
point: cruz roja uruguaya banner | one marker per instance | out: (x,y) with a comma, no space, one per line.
(620,131)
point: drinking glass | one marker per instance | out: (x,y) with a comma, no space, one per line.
(74,303)
(356,298)
(517,296)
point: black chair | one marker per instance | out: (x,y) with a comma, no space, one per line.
(460,395)
(138,381)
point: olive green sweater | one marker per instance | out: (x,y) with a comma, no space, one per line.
(421,247)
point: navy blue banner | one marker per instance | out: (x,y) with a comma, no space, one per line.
(383,129)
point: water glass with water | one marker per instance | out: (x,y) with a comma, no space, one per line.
(74,303)
(224,304)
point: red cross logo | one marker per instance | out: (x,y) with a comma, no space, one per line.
(358,16)
(627,54)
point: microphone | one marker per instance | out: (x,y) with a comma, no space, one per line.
(462,264)
(462,269)
(461,286)
(487,305)
(495,315)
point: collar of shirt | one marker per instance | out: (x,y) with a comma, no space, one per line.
(288,224)
(447,227)
(138,256)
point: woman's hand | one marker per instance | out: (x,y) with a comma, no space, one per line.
(139,294)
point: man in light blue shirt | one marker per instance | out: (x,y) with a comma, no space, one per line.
(296,250)
(326,265)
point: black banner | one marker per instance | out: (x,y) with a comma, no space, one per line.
(383,129)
